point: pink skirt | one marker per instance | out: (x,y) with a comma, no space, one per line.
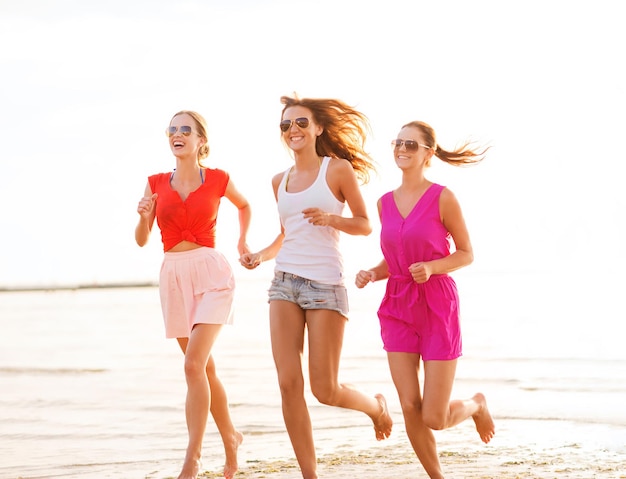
(196,287)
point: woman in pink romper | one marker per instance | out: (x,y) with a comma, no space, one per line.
(419,314)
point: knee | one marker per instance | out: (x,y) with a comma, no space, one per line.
(194,368)
(324,392)
(411,408)
(290,386)
(434,420)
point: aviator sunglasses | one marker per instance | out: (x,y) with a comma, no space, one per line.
(300,122)
(184,130)
(410,145)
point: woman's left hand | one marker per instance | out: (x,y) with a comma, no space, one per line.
(420,272)
(317,217)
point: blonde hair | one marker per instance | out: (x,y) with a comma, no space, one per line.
(464,155)
(345,131)
(201,127)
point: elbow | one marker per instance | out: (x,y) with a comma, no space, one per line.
(245,214)
(140,240)
(366,227)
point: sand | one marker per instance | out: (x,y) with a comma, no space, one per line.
(510,463)
(525,449)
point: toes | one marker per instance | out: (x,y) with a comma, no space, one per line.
(383,424)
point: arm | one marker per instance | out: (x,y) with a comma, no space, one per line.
(452,219)
(147,211)
(252,260)
(245,215)
(377,273)
(343,183)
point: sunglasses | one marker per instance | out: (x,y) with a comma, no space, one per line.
(410,145)
(300,122)
(183,130)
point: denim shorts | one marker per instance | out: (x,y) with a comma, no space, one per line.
(308,294)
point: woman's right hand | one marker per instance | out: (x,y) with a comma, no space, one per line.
(146,206)
(364,277)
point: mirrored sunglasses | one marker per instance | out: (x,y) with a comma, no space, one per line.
(410,145)
(300,122)
(183,130)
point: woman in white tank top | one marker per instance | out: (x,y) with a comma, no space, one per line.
(307,293)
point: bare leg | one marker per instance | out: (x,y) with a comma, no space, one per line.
(221,414)
(287,333)
(441,413)
(326,329)
(476,407)
(404,369)
(197,352)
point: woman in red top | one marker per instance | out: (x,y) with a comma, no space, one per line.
(196,282)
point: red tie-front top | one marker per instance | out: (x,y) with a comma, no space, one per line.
(193,219)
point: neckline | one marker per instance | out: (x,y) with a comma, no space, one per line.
(321,161)
(413,208)
(178,193)
(174,171)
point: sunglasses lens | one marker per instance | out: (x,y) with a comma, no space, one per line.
(183,130)
(411,145)
(302,122)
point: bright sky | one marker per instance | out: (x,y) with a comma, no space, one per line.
(88,88)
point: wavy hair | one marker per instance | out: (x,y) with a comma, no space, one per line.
(201,127)
(345,131)
(469,153)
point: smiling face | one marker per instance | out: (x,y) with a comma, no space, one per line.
(300,138)
(419,158)
(183,145)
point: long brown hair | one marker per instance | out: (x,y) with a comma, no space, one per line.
(469,153)
(345,131)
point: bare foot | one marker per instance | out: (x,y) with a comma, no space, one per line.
(191,469)
(383,423)
(483,420)
(231,466)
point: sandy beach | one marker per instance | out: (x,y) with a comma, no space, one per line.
(525,449)
(394,464)
(400,463)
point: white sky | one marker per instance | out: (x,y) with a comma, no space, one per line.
(88,87)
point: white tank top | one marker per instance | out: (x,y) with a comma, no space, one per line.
(310,251)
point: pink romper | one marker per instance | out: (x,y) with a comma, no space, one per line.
(418,318)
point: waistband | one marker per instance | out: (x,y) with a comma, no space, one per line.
(409,278)
(282,275)
(192,253)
